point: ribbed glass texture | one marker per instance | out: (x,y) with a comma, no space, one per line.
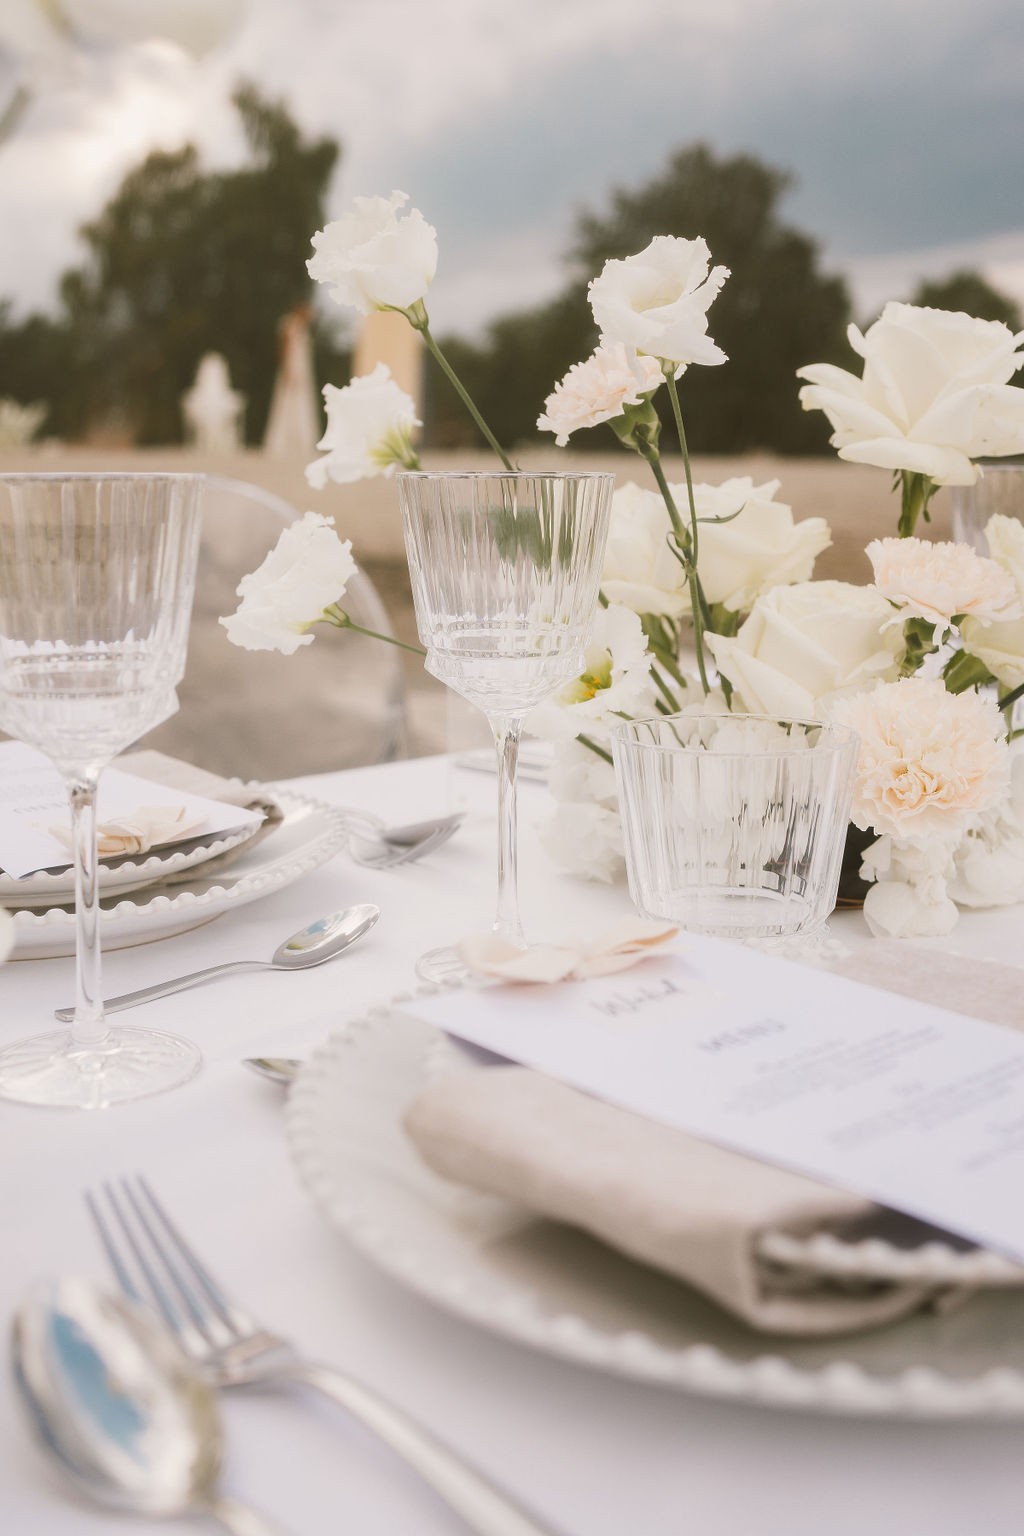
(96,581)
(505,573)
(734,825)
(1000,488)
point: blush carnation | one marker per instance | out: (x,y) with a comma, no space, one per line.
(597,390)
(929,760)
(939,581)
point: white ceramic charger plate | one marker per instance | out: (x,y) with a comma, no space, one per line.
(45,888)
(554,1288)
(308,834)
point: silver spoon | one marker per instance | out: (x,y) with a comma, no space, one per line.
(112,1399)
(321,941)
(276,1069)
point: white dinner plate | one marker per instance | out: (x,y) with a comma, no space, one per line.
(308,834)
(131,873)
(553,1287)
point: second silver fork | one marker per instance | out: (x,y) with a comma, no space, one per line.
(154,1264)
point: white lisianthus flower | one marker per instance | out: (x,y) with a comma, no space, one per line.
(640,571)
(989,862)
(578,774)
(910,898)
(307,570)
(938,581)
(657,302)
(806,645)
(585,839)
(369,430)
(598,390)
(616,678)
(375,257)
(929,760)
(1001,645)
(934,396)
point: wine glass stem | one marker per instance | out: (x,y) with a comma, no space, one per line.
(90,1026)
(507,730)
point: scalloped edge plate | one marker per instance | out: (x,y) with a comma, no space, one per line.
(498,1266)
(308,834)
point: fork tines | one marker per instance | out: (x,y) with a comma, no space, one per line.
(154,1265)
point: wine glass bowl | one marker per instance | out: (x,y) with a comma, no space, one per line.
(505,571)
(96,579)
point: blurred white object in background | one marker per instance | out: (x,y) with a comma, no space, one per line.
(212,410)
(19,423)
(293,425)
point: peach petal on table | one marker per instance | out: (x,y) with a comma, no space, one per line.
(614,950)
(145,828)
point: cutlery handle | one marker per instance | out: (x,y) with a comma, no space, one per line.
(166,988)
(241,1521)
(483,1506)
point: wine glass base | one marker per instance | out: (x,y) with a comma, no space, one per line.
(444,967)
(51,1071)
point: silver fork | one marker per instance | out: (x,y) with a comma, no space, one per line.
(395,845)
(155,1265)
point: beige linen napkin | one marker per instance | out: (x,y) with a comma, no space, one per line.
(668,1199)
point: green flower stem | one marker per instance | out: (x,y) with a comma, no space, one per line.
(690,540)
(964,671)
(588,741)
(917,491)
(1009,700)
(419,322)
(665,690)
(340,619)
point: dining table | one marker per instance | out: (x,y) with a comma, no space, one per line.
(591,1453)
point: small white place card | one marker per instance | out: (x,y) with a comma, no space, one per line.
(33,798)
(909,1105)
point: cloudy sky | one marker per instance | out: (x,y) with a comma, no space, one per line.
(902,120)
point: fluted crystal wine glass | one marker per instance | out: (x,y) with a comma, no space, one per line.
(505,570)
(96,579)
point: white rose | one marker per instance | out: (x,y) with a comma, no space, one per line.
(761,548)
(935,394)
(657,301)
(375,258)
(598,390)
(937,581)
(307,570)
(929,760)
(806,645)
(640,571)
(369,430)
(1001,646)
(616,677)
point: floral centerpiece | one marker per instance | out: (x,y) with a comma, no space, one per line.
(708,601)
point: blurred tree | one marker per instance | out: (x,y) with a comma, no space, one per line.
(182,262)
(776,312)
(969,293)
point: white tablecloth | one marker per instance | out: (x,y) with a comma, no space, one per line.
(598,1457)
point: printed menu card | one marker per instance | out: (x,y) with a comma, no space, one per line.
(34,801)
(909,1105)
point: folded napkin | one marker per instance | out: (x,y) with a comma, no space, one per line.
(670,1200)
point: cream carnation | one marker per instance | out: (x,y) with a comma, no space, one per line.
(938,581)
(306,571)
(369,430)
(375,257)
(598,390)
(934,396)
(657,302)
(929,760)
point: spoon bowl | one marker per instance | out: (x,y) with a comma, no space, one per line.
(112,1399)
